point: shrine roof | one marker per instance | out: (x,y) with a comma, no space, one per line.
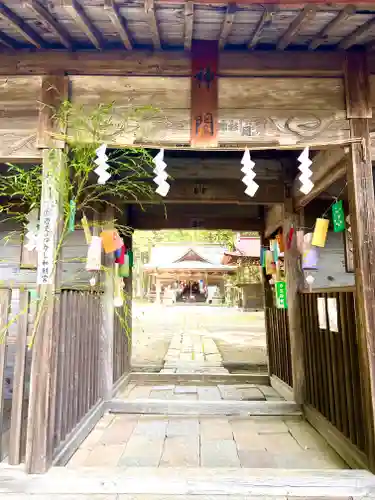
(174,24)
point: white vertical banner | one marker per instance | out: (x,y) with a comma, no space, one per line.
(48,226)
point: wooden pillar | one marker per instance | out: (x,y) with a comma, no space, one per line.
(294,281)
(362,217)
(41,416)
(108,311)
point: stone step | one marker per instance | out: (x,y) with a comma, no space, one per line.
(165,483)
(198,408)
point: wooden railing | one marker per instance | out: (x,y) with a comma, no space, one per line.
(121,344)
(17,313)
(78,361)
(332,373)
(279,344)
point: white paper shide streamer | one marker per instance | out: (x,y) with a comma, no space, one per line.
(32,230)
(161,175)
(102,165)
(247,168)
(306,172)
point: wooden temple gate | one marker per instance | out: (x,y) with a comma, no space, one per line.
(212,99)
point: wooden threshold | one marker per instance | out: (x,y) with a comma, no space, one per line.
(194,378)
(189,483)
(65,452)
(282,388)
(342,446)
(197,408)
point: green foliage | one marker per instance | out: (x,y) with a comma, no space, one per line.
(145,240)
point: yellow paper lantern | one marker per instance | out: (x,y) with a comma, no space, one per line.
(320,232)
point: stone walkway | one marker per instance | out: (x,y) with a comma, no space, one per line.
(151,441)
(193,353)
(239,337)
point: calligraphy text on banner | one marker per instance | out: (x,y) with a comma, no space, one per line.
(204,94)
(281,297)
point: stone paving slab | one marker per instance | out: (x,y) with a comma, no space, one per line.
(165,441)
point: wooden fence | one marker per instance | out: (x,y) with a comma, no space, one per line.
(78,357)
(121,344)
(280,363)
(332,373)
(17,312)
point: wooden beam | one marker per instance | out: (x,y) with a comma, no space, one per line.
(147,221)
(23,28)
(78,14)
(351,39)
(153,63)
(327,166)
(306,15)
(227,24)
(215,192)
(118,21)
(362,217)
(322,184)
(189,24)
(152,23)
(294,281)
(42,12)
(7,41)
(274,219)
(264,21)
(280,3)
(341,17)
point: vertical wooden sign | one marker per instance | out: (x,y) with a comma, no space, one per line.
(204,94)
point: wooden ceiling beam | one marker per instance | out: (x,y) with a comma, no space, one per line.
(7,41)
(118,21)
(152,23)
(352,38)
(42,12)
(189,24)
(78,14)
(227,24)
(280,3)
(307,14)
(23,28)
(176,63)
(341,17)
(264,21)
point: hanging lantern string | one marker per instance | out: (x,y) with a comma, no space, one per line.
(325,213)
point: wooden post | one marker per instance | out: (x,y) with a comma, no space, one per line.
(41,416)
(362,217)
(108,311)
(294,281)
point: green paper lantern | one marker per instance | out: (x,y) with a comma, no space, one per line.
(338,217)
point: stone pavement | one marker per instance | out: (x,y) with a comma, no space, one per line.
(239,337)
(209,442)
(193,353)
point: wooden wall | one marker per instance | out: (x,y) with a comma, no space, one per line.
(332,270)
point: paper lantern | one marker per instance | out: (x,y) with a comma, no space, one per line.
(72,215)
(111,240)
(94,254)
(299,240)
(320,233)
(120,255)
(338,217)
(86,229)
(290,238)
(280,242)
(124,269)
(131,259)
(270,265)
